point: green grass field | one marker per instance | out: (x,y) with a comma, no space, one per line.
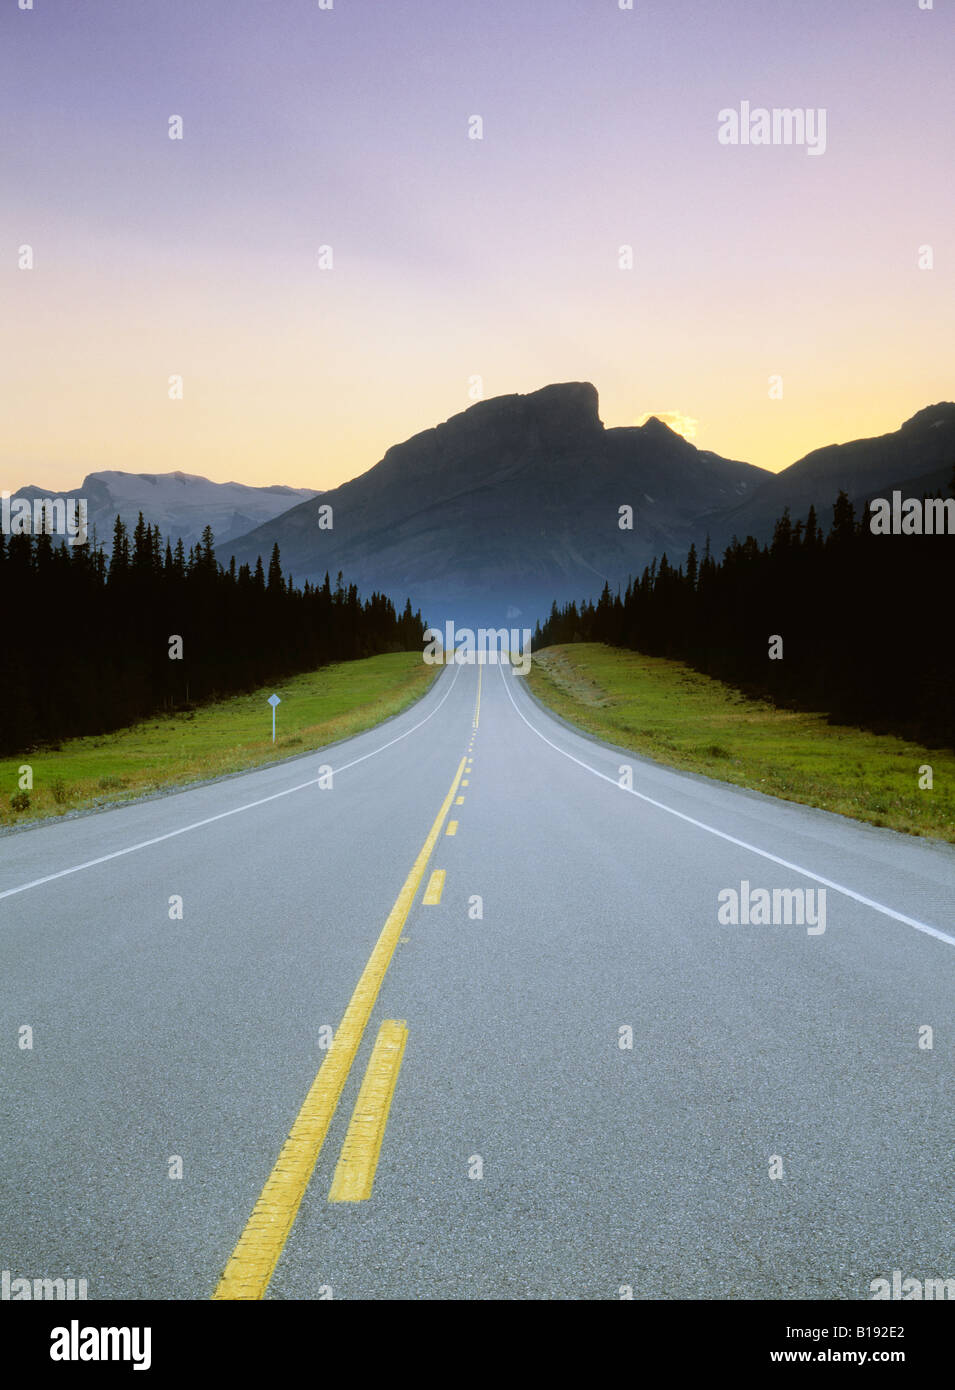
(676,716)
(228,736)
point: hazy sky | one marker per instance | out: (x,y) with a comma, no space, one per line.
(455,257)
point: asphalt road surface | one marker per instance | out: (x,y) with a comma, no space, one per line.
(534,1147)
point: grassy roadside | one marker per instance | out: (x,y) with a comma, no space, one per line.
(672,714)
(231,735)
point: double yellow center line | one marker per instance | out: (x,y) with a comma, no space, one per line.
(254,1258)
(355,1172)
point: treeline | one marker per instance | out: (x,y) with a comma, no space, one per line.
(90,639)
(865,621)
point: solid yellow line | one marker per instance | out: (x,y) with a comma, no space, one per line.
(477,707)
(358,1160)
(432,894)
(254,1258)
(452,828)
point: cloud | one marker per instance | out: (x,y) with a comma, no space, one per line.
(674,420)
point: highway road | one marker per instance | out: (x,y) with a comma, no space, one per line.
(579,1081)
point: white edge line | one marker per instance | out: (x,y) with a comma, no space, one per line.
(743,844)
(222,815)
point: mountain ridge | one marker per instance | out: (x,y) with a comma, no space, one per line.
(486,511)
(919,454)
(181,504)
(514,502)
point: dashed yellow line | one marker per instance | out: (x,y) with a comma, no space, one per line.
(452,828)
(254,1258)
(432,894)
(459,801)
(358,1161)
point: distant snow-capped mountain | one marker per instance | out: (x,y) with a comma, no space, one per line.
(181,503)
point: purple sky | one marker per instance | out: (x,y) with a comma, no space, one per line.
(457,258)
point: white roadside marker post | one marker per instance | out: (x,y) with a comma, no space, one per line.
(273,701)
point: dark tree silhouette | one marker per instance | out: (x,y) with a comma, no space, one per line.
(865,621)
(93,637)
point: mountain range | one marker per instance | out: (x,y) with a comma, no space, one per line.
(917,458)
(488,518)
(181,503)
(515,502)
